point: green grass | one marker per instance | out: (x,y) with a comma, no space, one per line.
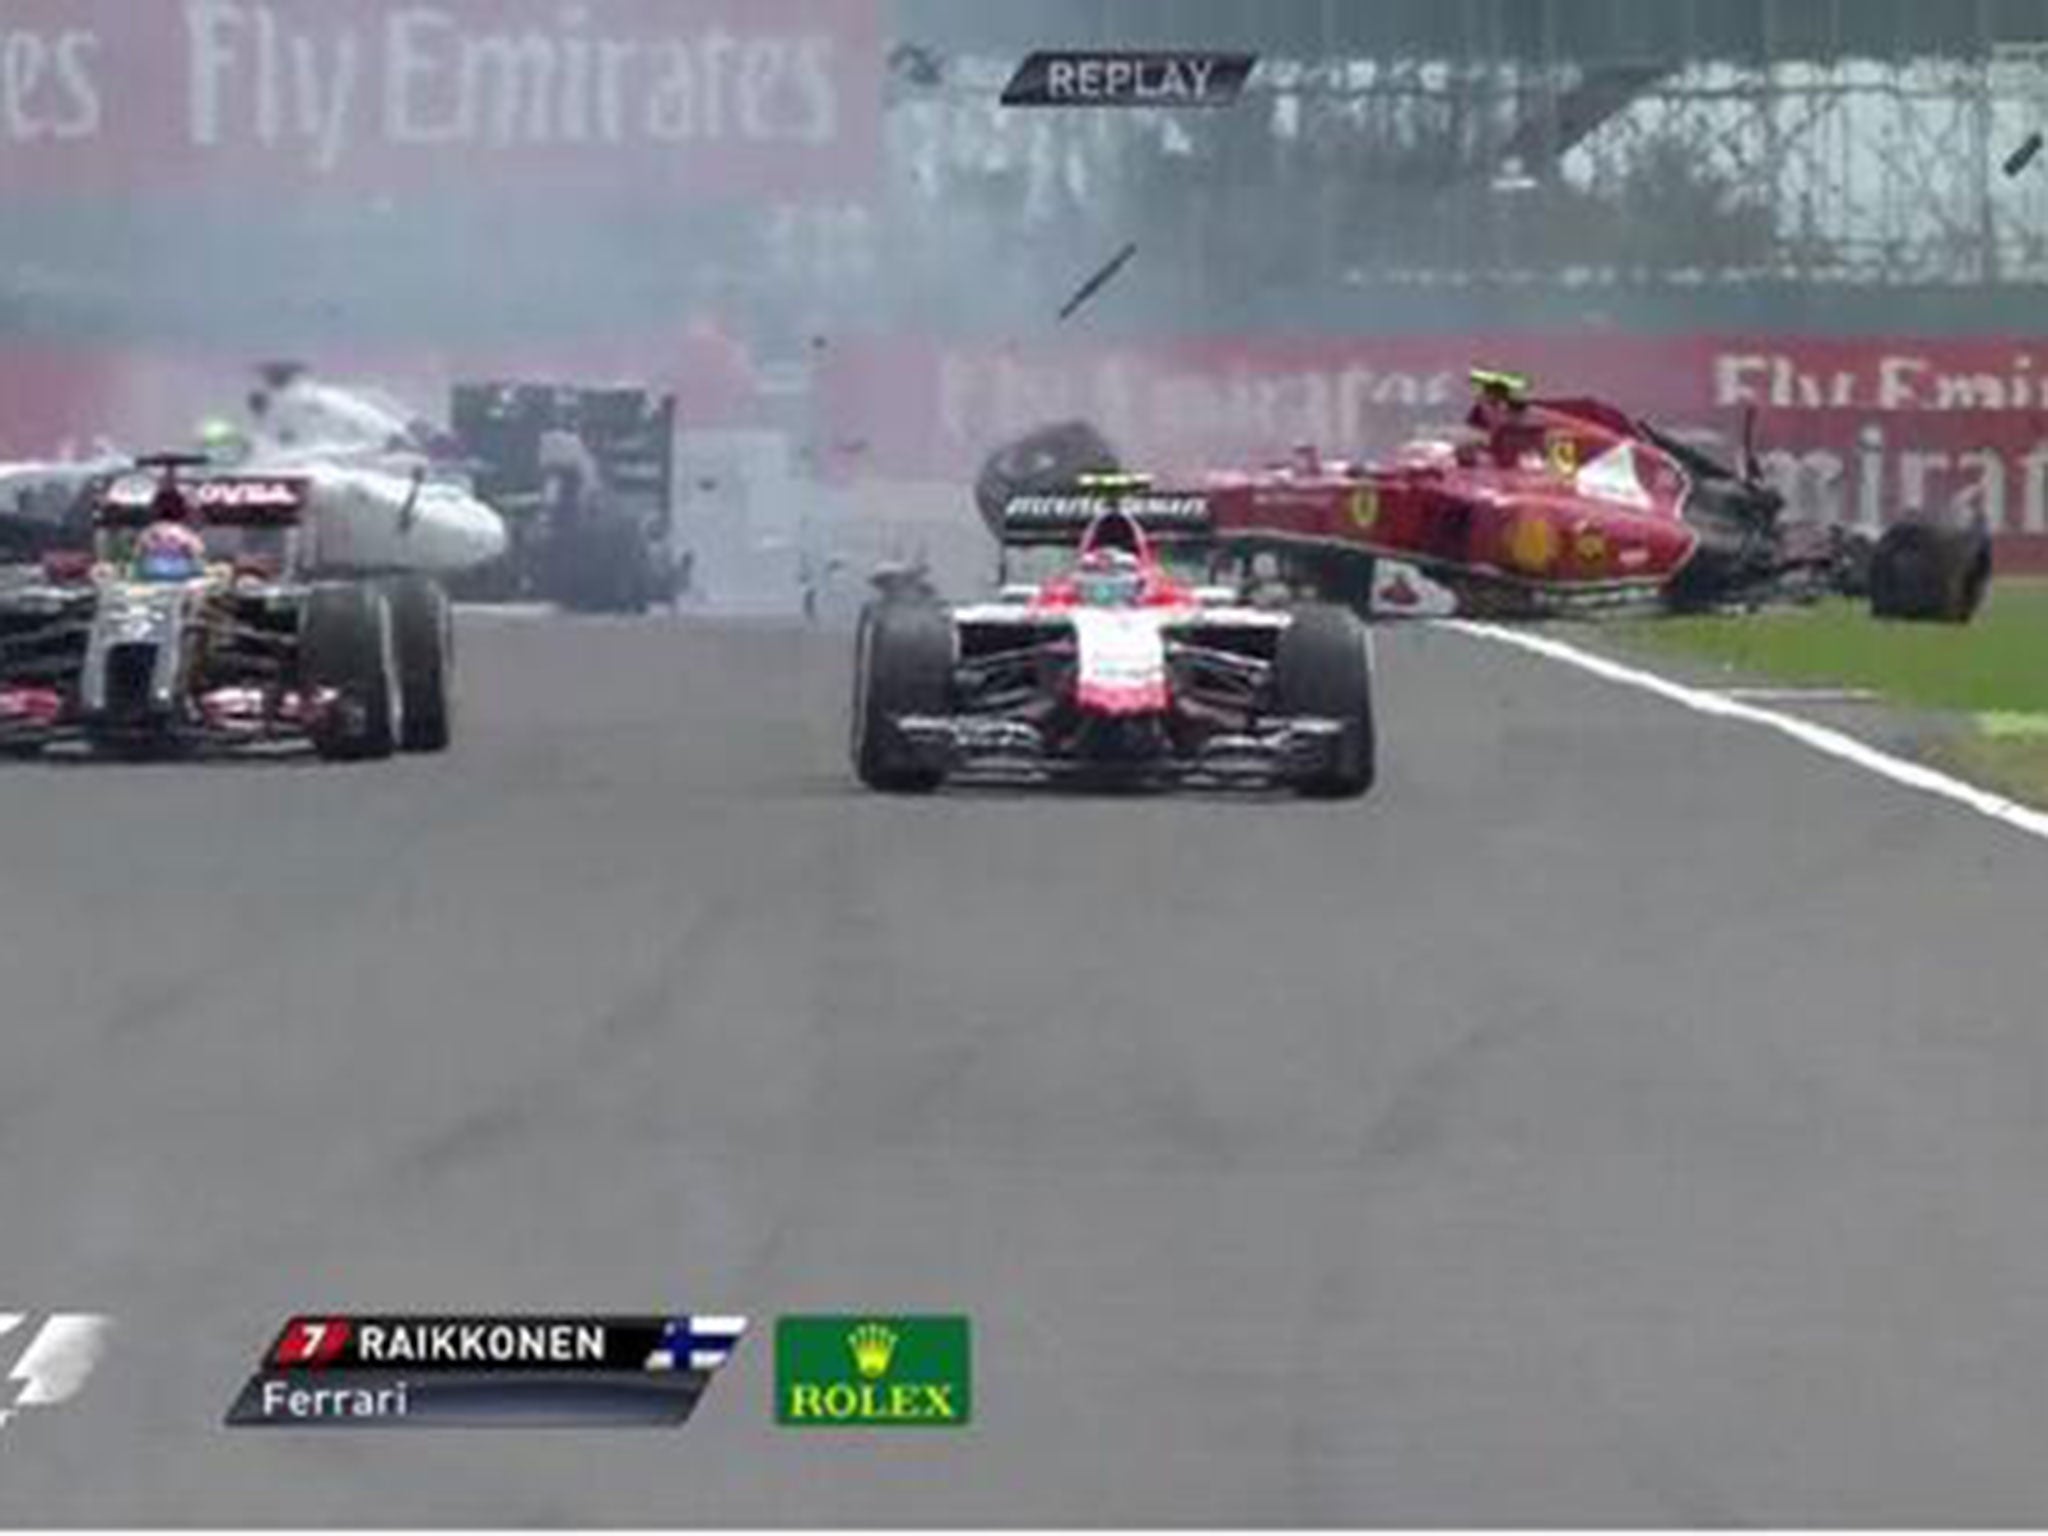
(1994,672)
(1997,664)
(2016,768)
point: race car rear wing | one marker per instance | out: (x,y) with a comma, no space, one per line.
(1062,517)
(219,501)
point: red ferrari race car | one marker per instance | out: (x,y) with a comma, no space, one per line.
(1112,668)
(1540,507)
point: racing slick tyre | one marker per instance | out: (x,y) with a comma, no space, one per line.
(347,644)
(1347,580)
(1926,572)
(1323,670)
(1040,463)
(602,567)
(1854,551)
(423,629)
(903,665)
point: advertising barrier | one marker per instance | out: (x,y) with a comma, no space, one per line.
(110,96)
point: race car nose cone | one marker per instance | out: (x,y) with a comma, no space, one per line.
(461,533)
(485,535)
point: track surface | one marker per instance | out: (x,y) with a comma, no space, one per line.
(1623,1116)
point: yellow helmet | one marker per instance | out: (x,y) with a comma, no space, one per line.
(219,436)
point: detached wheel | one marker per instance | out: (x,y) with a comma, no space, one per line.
(903,665)
(1323,669)
(1041,462)
(1921,571)
(423,628)
(347,644)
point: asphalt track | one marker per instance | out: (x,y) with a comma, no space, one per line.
(1624,1116)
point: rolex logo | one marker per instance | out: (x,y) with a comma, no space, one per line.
(873,1347)
(868,1370)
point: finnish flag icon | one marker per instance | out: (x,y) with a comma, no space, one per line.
(699,1342)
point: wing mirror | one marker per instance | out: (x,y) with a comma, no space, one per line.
(408,514)
(67,565)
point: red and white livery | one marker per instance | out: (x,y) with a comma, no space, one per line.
(1112,669)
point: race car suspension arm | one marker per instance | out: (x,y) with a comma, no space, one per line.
(1221,677)
(1010,681)
(54,649)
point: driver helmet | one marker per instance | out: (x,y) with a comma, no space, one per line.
(223,441)
(169,552)
(1109,578)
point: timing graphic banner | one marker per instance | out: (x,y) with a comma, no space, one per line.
(404,1371)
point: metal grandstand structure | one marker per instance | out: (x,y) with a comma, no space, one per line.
(1691,142)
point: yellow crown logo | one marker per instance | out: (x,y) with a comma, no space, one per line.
(873,1348)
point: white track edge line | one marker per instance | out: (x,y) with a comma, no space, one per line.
(1820,738)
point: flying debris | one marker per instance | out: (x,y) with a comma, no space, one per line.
(2023,157)
(1100,280)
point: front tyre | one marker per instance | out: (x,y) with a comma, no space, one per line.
(348,646)
(903,665)
(423,629)
(1322,669)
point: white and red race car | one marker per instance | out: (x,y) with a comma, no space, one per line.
(1112,669)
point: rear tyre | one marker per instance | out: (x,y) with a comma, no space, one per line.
(1922,571)
(1854,552)
(347,645)
(1348,580)
(1323,670)
(423,629)
(903,665)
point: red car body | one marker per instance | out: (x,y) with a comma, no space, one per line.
(1538,505)
(1555,498)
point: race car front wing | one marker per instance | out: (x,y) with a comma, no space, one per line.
(981,746)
